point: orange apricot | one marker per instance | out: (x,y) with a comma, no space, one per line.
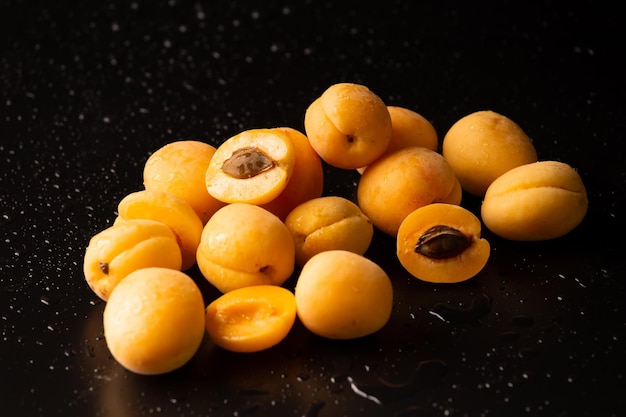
(441,243)
(307,178)
(251,167)
(348,125)
(180,168)
(484,145)
(251,319)
(118,250)
(398,183)
(409,128)
(154,321)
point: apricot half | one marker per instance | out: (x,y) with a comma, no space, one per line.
(441,243)
(251,319)
(484,145)
(120,249)
(244,245)
(306,181)
(179,168)
(329,222)
(251,167)
(538,201)
(398,183)
(348,125)
(154,321)
(172,211)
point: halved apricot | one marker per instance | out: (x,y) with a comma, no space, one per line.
(251,167)
(251,319)
(441,243)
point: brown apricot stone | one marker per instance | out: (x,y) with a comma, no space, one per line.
(538,201)
(441,243)
(251,167)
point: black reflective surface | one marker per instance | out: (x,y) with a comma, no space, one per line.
(89,90)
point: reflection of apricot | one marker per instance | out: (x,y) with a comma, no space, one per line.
(251,319)
(348,125)
(154,320)
(401,182)
(307,178)
(441,243)
(179,168)
(251,167)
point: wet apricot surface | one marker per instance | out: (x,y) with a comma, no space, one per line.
(251,319)
(442,243)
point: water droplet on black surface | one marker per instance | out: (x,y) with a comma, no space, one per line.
(479,307)
(50,299)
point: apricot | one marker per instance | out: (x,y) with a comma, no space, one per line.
(537,201)
(398,183)
(251,319)
(409,128)
(180,168)
(252,167)
(171,210)
(154,321)
(244,245)
(441,243)
(348,125)
(307,178)
(329,222)
(118,250)
(484,145)
(343,295)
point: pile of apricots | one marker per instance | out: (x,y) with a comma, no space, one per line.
(252,213)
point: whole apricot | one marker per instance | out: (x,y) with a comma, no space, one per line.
(400,182)
(441,243)
(537,201)
(244,245)
(154,321)
(179,168)
(251,319)
(118,250)
(252,167)
(306,181)
(348,125)
(326,223)
(343,295)
(484,145)
(169,209)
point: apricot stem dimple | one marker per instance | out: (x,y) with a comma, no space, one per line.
(247,162)
(104,267)
(441,242)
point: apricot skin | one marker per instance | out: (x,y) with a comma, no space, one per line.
(484,145)
(348,125)
(329,222)
(154,321)
(343,295)
(456,268)
(118,250)
(538,201)
(180,168)
(399,183)
(244,245)
(251,319)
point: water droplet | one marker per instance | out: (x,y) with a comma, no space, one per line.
(480,306)
(50,299)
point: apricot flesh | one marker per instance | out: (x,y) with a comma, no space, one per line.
(398,183)
(244,245)
(251,319)
(118,250)
(251,167)
(343,295)
(538,201)
(441,243)
(179,168)
(484,145)
(348,125)
(154,321)
(329,222)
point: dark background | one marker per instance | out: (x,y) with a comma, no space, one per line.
(89,89)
